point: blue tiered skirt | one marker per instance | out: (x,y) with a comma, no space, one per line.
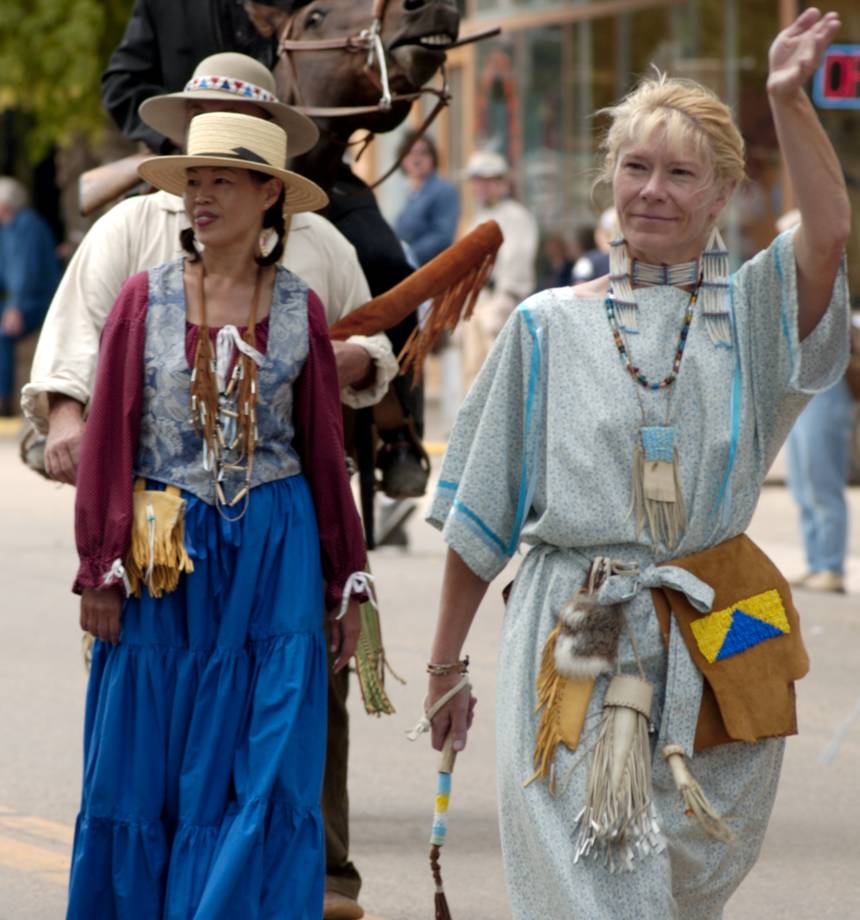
(205,731)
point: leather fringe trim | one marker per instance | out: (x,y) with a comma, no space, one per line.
(618,822)
(696,803)
(666,519)
(562,704)
(157,555)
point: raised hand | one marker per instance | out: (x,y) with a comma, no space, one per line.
(798,50)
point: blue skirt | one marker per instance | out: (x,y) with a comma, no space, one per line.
(205,731)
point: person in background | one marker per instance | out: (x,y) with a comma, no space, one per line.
(427,222)
(594,263)
(513,276)
(557,264)
(817,451)
(29,274)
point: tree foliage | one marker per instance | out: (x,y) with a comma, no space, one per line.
(52,53)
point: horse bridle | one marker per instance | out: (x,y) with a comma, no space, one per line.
(368,40)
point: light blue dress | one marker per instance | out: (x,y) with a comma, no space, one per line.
(542,454)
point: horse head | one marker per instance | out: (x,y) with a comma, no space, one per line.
(413,33)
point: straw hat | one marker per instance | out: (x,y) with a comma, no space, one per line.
(237,142)
(228,77)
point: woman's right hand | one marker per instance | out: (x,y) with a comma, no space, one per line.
(455,716)
(63,445)
(101,612)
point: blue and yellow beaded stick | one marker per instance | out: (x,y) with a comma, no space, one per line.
(440,823)
(443,787)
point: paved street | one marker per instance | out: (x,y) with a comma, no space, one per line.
(808,869)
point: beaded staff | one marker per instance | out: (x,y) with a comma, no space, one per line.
(443,781)
(440,824)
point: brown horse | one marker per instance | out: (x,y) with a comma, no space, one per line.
(414,35)
(347,56)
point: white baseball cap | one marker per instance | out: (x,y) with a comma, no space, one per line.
(486,164)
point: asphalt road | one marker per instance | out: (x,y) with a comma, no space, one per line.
(808,868)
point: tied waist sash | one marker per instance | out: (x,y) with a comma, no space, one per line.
(735,613)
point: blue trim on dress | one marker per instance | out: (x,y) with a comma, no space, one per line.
(533,401)
(482,529)
(528,481)
(783,310)
(724,498)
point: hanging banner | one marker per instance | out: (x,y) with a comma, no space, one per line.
(836,84)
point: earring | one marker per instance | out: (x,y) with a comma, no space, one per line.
(268,241)
(623,296)
(715,290)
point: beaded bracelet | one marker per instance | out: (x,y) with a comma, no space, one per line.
(443,670)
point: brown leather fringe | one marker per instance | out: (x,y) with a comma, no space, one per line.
(157,556)
(204,387)
(562,704)
(451,281)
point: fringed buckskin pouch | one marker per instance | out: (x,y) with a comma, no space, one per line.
(749,649)
(157,555)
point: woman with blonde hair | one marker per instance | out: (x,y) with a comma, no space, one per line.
(214,521)
(622,429)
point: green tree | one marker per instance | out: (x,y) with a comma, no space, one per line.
(52,53)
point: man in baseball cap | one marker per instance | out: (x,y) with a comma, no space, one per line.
(513,276)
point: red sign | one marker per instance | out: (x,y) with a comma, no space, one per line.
(837,81)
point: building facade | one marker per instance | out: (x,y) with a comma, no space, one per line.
(535,92)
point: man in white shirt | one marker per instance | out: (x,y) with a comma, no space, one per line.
(142,232)
(513,276)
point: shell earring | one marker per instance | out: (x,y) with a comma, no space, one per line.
(268,241)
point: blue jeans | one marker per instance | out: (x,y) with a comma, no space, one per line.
(817,470)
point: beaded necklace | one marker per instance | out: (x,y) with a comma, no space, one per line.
(623,353)
(223,409)
(656,494)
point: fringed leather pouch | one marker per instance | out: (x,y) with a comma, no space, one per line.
(749,648)
(157,556)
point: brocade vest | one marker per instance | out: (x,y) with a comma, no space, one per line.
(169,450)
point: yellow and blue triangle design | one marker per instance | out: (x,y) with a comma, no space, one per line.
(745,624)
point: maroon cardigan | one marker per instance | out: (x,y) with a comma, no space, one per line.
(103,505)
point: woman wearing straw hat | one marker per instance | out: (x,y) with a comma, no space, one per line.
(213,489)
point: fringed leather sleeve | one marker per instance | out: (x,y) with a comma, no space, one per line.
(103,503)
(319,442)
